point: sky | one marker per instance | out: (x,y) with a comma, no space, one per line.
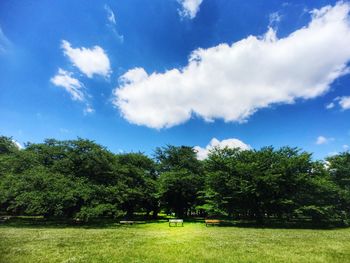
(134,75)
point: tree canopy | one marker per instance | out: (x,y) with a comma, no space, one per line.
(82,179)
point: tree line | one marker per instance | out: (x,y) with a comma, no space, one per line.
(81,179)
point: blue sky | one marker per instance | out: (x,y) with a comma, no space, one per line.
(133,75)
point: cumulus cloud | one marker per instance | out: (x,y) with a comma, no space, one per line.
(231,82)
(18,145)
(202,153)
(90,61)
(72,85)
(344,102)
(323,140)
(190,8)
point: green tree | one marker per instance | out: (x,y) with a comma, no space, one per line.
(38,191)
(7,145)
(137,172)
(181,178)
(339,168)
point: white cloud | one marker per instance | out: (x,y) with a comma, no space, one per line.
(90,61)
(112,23)
(202,153)
(4,42)
(274,18)
(323,140)
(72,85)
(88,110)
(110,15)
(19,146)
(345,147)
(190,8)
(330,106)
(344,102)
(232,82)
(332,153)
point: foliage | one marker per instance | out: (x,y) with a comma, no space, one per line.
(181,179)
(83,180)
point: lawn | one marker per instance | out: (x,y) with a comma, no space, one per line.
(157,242)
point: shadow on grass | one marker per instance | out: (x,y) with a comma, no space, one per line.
(105,223)
(28,222)
(284,225)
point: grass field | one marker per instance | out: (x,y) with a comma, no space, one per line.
(156,242)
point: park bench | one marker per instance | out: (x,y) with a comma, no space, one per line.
(77,221)
(212,222)
(176,222)
(127,222)
(4,219)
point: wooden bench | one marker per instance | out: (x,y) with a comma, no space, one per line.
(126,222)
(4,218)
(213,222)
(77,221)
(176,222)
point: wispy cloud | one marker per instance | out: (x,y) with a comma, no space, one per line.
(323,140)
(64,130)
(343,102)
(110,15)
(72,85)
(332,153)
(88,109)
(90,61)
(330,105)
(274,18)
(4,42)
(189,8)
(112,23)
(232,82)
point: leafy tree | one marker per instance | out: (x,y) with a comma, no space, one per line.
(339,168)
(38,191)
(82,179)
(7,145)
(269,183)
(181,178)
(171,158)
(137,173)
(80,158)
(179,190)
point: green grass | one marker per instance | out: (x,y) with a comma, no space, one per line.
(156,242)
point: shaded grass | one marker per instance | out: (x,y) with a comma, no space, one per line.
(156,242)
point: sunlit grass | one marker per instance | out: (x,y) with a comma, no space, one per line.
(157,242)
